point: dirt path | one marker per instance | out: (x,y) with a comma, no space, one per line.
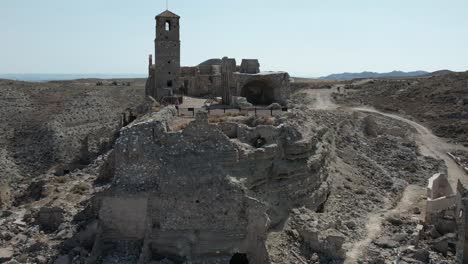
(323,99)
(411,198)
(428,144)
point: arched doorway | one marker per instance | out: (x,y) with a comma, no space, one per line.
(239,258)
(258,92)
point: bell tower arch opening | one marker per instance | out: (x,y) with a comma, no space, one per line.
(258,92)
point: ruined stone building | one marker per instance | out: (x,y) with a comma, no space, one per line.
(210,193)
(446,211)
(215,77)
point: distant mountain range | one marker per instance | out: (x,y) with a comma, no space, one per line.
(350,76)
(39,77)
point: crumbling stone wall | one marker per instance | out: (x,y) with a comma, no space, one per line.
(189,80)
(274,85)
(228,67)
(440,197)
(250,66)
(201,195)
(201,80)
(225,81)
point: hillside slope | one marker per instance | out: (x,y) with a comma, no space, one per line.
(438,101)
(59,124)
(393,74)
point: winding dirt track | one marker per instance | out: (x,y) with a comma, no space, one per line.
(432,146)
(428,145)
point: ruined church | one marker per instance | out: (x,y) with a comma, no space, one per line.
(215,77)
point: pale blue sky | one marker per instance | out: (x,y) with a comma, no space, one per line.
(304,37)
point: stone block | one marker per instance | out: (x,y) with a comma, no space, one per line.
(6,254)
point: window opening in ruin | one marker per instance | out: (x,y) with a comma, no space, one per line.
(259,142)
(169,83)
(168,62)
(169,73)
(239,258)
(460,215)
(168,26)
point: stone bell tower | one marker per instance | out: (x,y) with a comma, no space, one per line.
(167,55)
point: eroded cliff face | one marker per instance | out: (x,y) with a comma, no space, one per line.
(211,190)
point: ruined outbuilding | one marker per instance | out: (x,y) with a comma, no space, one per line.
(215,77)
(446,211)
(440,198)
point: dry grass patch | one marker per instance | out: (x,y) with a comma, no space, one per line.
(80,188)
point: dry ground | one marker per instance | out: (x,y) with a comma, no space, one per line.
(382,164)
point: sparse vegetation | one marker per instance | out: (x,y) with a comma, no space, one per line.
(225,117)
(80,188)
(253,121)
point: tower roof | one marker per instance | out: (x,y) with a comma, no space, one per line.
(168,13)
